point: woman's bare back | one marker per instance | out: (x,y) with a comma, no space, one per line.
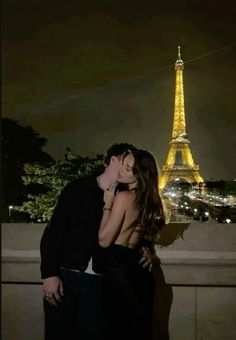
(130,234)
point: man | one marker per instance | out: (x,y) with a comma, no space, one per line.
(71,258)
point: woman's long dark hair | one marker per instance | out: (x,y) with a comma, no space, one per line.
(148,201)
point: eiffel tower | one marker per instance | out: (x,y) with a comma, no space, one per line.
(179,163)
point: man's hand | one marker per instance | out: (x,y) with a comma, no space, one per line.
(147,258)
(52,290)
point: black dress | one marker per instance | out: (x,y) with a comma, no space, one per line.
(129,292)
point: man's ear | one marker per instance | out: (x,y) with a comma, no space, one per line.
(114,160)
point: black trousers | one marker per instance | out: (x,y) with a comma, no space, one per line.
(80,315)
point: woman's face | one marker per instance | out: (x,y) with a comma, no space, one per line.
(126,171)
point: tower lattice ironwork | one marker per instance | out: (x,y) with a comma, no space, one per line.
(179,162)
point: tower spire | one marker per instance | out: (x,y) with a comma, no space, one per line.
(179,114)
(179,54)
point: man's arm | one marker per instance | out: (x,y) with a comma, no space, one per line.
(51,248)
(53,235)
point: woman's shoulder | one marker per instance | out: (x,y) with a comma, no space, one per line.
(124,196)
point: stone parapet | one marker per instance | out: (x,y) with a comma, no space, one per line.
(196,269)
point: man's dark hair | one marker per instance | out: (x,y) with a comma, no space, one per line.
(117,150)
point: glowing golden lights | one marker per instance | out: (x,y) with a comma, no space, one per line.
(179,163)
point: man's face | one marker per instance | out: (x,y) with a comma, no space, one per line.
(115,166)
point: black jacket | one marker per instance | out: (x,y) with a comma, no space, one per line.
(71,236)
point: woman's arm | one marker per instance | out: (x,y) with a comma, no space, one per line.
(112,219)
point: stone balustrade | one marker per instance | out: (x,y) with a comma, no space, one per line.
(195,282)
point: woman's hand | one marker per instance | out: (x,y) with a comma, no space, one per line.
(109,196)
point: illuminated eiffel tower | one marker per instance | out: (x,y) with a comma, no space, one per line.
(179,163)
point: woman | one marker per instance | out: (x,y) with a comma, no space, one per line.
(128,216)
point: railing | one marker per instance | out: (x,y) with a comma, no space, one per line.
(197,270)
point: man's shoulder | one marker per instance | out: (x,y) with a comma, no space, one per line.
(80,183)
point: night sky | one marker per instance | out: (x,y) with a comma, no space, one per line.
(86,74)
